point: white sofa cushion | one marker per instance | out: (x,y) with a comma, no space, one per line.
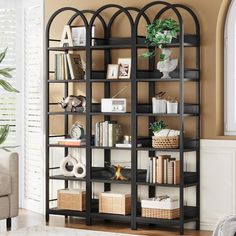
(5,184)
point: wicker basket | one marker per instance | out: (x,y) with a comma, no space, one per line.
(160,213)
(71,199)
(115,203)
(165,142)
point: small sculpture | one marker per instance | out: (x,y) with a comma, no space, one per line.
(167,65)
(72,102)
(118,175)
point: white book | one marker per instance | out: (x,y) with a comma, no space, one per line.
(151,170)
(123,145)
(154,170)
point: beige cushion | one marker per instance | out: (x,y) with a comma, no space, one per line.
(5,184)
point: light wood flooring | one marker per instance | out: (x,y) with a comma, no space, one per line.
(27,218)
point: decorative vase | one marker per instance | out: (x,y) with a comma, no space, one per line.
(167,65)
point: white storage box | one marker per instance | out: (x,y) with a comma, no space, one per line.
(167,204)
(158,105)
(113,105)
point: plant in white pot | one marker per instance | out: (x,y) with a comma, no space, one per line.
(5,72)
(160,33)
(157,126)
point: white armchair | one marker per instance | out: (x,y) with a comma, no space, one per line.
(9,200)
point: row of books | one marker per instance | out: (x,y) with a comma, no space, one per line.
(72,142)
(107,133)
(163,170)
(68,66)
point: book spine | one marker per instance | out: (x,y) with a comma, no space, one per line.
(148,171)
(72,75)
(160,170)
(110,137)
(177,172)
(62,67)
(107,133)
(154,170)
(65,67)
(151,170)
(164,171)
(104,134)
(170,172)
(55,66)
(97,134)
(101,134)
(157,163)
(59,68)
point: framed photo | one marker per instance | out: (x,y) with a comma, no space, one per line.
(79,35)
(124,68)
(113,71)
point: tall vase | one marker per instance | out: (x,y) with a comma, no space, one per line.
(167,65)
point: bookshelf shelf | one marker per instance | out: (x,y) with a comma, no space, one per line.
(66,81)
(152,77)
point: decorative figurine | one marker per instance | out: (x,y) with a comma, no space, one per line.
(118,175)
(72,102)
(167,65)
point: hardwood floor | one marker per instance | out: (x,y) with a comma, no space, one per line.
(27,218)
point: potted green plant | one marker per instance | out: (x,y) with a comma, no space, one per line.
(157,126)
(159,33)
(5,72)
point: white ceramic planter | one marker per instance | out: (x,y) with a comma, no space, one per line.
(158,105)
(172,107)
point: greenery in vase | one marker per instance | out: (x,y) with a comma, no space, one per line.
(160,32)
(5,72)
(157,126)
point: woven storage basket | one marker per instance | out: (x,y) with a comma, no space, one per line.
(71,200)
(115,204)
(165,142)
(160,213)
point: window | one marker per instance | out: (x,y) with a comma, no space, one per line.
(21,30)
(8,100)
(230,71)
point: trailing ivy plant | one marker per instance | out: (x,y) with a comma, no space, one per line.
(157,126)
(160,32)
(5,72)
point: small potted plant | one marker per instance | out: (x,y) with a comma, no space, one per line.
(157,126)
(160,33)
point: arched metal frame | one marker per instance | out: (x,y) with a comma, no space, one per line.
(134,46)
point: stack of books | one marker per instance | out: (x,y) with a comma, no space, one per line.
(107,134)
(72,142)
(68,66)
(163,170)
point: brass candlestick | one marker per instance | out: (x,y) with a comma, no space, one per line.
(118,175)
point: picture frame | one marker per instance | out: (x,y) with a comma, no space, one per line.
(124,68)
(79,35)
(112,71)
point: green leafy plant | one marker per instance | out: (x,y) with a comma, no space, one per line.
(157,126)
(160,32)
(5,72)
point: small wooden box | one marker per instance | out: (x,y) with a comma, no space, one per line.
(71,199)
(115,203)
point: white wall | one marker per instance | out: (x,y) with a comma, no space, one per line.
(218,181)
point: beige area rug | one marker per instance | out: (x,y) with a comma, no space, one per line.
(59,231)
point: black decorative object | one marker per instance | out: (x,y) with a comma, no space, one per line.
(150,76)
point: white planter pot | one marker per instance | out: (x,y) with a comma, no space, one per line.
(172,107)
(158,105)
